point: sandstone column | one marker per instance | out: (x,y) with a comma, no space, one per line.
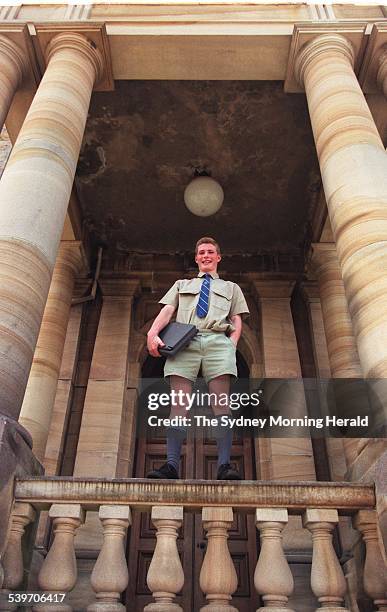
(108,420)
(12,67)
(39,397)
(353,166)
(311,294)
(341,343)
(34,192)
(291,457)
(382,72)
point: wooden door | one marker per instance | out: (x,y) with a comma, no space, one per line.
(199,461)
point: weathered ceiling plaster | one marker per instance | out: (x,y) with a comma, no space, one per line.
(144,140)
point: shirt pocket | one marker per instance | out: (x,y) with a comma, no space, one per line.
(221,301)
(188,298)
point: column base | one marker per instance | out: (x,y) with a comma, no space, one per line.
(275,609)
(331,609)
(163,607)
(52,608)
(106,606)
(217,607)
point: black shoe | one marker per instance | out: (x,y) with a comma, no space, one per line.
(165,471)
(226,472)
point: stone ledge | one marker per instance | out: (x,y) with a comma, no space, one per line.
(142,494)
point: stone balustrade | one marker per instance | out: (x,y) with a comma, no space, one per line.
(319,504)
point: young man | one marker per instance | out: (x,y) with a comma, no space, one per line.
(215,306)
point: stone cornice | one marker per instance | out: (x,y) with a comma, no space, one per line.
(89,38)
(348,37)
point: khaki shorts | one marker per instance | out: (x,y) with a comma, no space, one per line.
(213,351)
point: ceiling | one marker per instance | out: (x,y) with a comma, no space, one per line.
(144,140)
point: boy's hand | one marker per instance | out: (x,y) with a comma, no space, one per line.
(153,343)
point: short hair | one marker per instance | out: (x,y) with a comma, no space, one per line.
(207,240)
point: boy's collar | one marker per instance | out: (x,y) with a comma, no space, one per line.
(212,274)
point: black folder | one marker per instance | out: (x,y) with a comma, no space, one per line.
(176,336)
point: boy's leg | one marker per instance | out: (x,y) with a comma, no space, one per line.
(175,435)
(219,388)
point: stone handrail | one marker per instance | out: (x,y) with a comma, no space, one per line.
(245,495)
(319,503)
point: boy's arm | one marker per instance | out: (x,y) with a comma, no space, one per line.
(162,319)
(236,320)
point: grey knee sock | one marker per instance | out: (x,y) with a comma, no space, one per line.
(224,438)
(175,437)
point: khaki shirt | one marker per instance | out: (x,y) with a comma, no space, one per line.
(226,300)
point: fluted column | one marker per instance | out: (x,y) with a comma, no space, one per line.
(39,397)
(12,69)
(34,194)
(382,72)
(374,576)
(165,575)
(353,167)
(327,578)
(272,578)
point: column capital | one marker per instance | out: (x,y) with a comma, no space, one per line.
(310,291)
(332,44)
(311,40)
(274,289)
(373,74)
(119,287)
(324,254)
(14,57)
(71,253)
(90,40)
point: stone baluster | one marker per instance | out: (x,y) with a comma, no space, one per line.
(12,67)
(165,575)
(274,586)
(13,566)
(218,578)
(375,573)
(110,574)
(327,579)
(59,570)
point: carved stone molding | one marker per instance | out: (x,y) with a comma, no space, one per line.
(330,34)
(98,41)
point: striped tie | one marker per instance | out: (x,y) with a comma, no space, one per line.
(202,307)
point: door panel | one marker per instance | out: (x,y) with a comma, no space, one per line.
(199,461)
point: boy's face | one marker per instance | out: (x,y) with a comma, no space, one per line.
(207,258)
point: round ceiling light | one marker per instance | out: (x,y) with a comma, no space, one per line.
(203,196)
